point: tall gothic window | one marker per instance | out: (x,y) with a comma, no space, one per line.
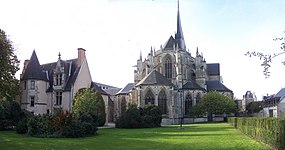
(162,102)
(188,103)
(58,98)
(168,68)
(123,104)
(198,98)
(149,98)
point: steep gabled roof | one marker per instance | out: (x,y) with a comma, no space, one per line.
(191,85)
(215,85)
(127,89)
(155,78)
(34,69)
(169,44)
(213,69)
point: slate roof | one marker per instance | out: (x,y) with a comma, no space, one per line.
(191,85)
(70,69)
(215,85)
(169,43)
(34,69)
(155,78)
(281,93)
(127,89)
(45,72)
(213,69)
(97,88)
(113,91)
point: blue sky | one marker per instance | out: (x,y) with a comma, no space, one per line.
(114,32)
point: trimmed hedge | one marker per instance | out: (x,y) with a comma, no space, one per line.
(267,130)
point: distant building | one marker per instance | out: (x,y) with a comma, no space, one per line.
(274,105)
(248,98)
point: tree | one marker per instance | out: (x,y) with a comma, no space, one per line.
(90,102)
(254,107)
(9,85)
(10,114)
(214,103)
(267,58)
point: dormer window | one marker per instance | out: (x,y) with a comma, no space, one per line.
(58,79)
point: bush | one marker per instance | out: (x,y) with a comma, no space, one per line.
(22,127)
(73,129)
(267,130)
(33,127)
(147,117)
(62,124)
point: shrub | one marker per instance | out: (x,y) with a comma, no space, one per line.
(62,124)
(89,123)
(33,127)
(147,117)
(22,127)
(73,129)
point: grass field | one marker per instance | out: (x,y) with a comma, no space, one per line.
(215,136)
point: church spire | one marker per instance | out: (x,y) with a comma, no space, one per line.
(179,34)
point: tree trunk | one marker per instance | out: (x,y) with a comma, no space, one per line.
(210,117)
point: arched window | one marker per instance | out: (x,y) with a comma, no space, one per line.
(188,103)
(162,102)
(123,104)
(198,97)
(149,98)
(168,68)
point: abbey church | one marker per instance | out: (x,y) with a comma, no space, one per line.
(170,77)
(173,78)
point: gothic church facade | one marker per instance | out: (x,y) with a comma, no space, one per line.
(174,79)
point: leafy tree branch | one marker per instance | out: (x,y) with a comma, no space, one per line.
(267,58)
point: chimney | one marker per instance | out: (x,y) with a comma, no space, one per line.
(81,56)
(26,62)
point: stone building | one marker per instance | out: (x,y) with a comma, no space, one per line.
(47,87)
(174,79)
(274,105)
(248,98)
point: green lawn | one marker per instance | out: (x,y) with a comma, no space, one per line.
(215,136)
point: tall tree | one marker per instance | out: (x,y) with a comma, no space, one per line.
(90,102)
(9,65)
(214,103)
(254,107)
